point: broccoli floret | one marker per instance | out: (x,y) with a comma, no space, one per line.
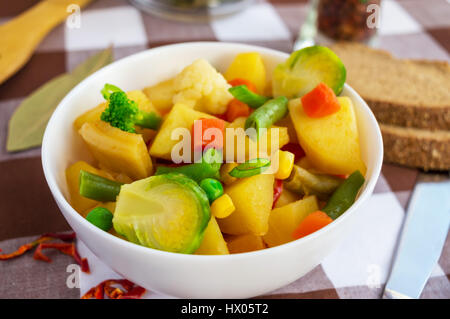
(124,113)
(121,112)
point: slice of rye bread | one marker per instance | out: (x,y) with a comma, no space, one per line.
(413,147)
(409,93)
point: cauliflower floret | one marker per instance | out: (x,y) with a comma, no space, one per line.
(201,87)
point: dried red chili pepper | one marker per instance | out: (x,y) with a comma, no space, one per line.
(24,248)
(96,292)
(83,262)
(64,248)
(113,293)
(68,249)
(130,290)
(135,293)
(63,236)
(277,190)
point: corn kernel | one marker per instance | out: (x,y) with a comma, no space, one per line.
(222,207)
(286,163)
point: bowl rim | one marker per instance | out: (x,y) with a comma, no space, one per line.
(61,200)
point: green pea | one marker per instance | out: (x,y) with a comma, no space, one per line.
(212,187)
(100,217)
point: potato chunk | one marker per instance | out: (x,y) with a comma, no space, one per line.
(213,242)
(252,197)
(248,66)
(332,142)
(284,220)
(119,151)
(181,116)
(161,95)
(245,243)
(287,197)
(245,148)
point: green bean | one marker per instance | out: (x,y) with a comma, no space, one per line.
(243,94)
(344,196)
(209,167)
(98,188)
(266,115)
(250,168)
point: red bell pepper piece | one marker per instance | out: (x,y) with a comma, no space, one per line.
(277,190)
(295,149)
(320,101)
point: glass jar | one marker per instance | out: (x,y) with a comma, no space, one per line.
(348,20)
(191,10)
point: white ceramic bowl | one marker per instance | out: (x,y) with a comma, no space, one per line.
(192,276)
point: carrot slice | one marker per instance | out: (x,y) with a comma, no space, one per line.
(311,223)
(202,140)
(320,101)
(237,82)
(236,109)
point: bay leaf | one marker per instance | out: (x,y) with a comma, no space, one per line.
(28,122)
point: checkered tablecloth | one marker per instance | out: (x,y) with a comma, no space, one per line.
(358,268)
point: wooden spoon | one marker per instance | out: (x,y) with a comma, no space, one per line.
(20,36)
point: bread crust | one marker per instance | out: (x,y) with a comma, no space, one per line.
(403,92)
(410,99)
(416,148)
(431,118)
